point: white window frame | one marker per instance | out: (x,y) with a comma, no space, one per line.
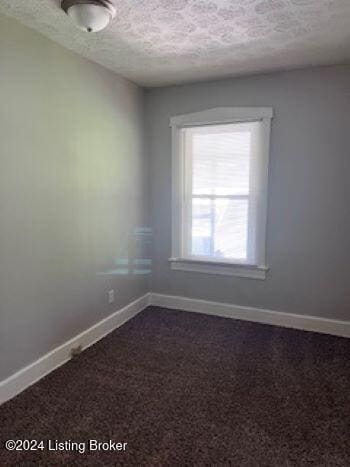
(219,115)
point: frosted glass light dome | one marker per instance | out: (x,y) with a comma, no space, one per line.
(90,16)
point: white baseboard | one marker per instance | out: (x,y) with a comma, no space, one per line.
(257,315)
(27,376)
(32,373)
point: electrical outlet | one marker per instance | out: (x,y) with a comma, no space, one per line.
(111,297)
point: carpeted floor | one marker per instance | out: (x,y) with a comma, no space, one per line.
(189,389)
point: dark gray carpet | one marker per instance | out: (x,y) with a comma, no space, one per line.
(190,389)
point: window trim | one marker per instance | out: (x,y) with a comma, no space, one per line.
(219,115)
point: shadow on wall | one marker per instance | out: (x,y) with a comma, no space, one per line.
(137,257)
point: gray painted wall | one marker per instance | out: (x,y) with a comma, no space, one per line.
(72,192)
(308,237)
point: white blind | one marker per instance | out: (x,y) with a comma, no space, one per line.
(219,160)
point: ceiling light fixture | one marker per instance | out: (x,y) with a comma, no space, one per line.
(89,15)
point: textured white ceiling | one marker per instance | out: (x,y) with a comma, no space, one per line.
(157,42)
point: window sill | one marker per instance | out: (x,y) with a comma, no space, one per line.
(226,269)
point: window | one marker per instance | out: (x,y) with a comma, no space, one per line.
(220,169)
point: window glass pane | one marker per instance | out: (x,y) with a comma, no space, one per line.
(201,227)
(220,228)
(221,159)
